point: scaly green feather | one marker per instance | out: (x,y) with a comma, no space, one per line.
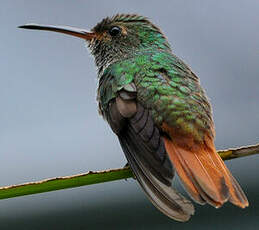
(165,85)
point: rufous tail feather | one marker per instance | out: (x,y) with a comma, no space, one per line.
(203,173)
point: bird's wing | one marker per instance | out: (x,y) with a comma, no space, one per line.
(145,151)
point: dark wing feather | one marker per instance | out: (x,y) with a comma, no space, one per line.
(145,151)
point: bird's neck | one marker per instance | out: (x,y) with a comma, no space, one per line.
(104,61)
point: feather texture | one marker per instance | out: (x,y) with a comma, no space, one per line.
(144,149)
(148,160)
(202,171)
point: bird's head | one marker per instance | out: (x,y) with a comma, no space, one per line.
(115,38)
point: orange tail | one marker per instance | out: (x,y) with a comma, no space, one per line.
(204,174)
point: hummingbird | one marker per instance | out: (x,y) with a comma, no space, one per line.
(161,115)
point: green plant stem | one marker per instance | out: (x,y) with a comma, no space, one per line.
(90,177)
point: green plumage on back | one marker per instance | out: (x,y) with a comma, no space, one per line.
(165,85)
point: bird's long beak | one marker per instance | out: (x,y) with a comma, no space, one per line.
(81,33)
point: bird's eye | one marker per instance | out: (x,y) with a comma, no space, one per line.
(114,31)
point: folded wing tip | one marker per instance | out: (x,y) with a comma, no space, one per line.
(186,216)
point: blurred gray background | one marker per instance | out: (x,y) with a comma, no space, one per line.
(50,126)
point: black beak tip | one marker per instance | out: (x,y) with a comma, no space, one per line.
(27,26)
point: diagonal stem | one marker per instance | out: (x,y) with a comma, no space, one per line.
(243,151)
(90,177)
